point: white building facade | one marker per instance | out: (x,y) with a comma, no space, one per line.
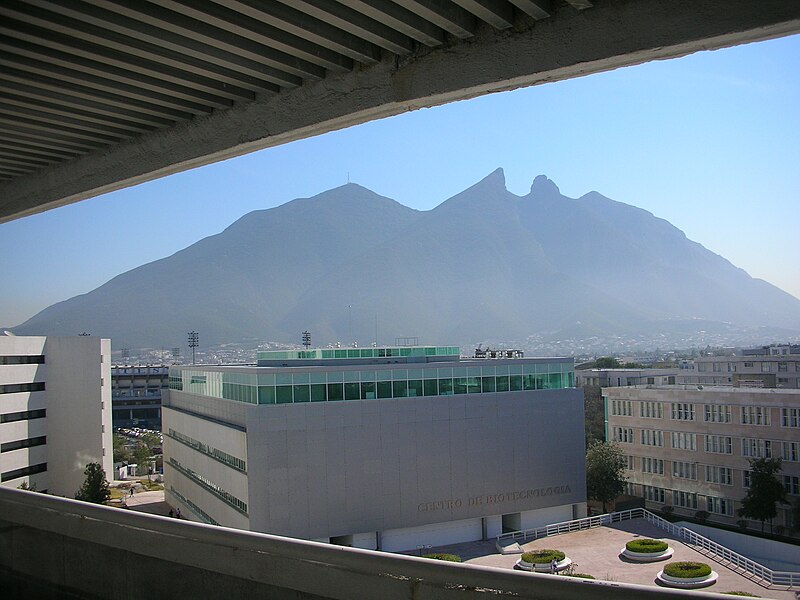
(55,411)
(413,447)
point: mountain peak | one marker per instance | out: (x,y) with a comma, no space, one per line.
(542,186)
(496,178)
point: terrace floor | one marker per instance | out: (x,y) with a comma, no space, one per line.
(596,552)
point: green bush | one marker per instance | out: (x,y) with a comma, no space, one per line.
(687,570)
(748,594)
(646,545)
(448,557)
(581,575)
(543,556)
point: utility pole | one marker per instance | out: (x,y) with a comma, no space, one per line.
(193,343)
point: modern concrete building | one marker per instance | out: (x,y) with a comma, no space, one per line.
(136,395)
(690,446)
(55,410)
(379,448)
(623,377)
(769,367)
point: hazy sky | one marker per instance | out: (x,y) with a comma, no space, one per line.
(710,142)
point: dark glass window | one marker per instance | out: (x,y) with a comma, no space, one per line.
(400,389)
(36,359)
(352,391)
(516,383)
(319,392)
(23,415)
(25,471)
(415,387)
(431,387)
(266,394)
(487,384)
(283,394)
(302,393)
(384,389)
(502,383)
(26,443)
(335,391)
(13,388)
(368,390)
(445,387)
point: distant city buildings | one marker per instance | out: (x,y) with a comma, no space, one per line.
(383,448)
(689,446)
(136,395)
(624,377)
(55,411)
(768,367)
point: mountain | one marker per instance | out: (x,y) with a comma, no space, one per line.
(483,265)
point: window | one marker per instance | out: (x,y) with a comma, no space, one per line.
(748,364)
(792,484)
(652,437)
(790,417)
(26,443)
(684,470)
(652,465)
(719,506)
(719,444)
(755,448)
(651,410)
(24,415)
(684,441)
(630,462)
(717,413)
(13,388)
(621,408)
(22,360)
(25,471)
(654,494)
(682,411)
(766,367)
(755,415)
(746,478)
(783,367)
(623,434)
(791,451)
(723,475)
(684,499)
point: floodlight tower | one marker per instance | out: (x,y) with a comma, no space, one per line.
(307,339)
(193,343)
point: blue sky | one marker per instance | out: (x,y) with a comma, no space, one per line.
(710,142)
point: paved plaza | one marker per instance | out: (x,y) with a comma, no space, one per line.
(596,552)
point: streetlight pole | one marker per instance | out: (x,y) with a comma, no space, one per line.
(193,343)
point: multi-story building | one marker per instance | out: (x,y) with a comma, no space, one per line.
(765,369)
(136,395)
(624,377)
(382,448)
(55,410)
(690,446)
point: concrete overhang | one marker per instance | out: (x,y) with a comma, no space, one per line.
(103,94)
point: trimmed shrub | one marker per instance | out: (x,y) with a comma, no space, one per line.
(543,556)
(441,556)
(580,575)
(646,545)
(687,570)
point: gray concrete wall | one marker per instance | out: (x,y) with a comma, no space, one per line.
(325,469)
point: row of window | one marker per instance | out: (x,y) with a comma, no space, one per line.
(34,359)
(196,509)
(26,443)
(14,388)
(766,367)
(715,505)
(23,472)
(714,444)
(330,392)
(713,413)
(209,485)
(24,415)
(223,457)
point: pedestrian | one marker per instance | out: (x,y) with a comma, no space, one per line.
(178,513)
(170,513)
(131,492)
(553,566)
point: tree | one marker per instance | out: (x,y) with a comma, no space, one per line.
(605,472)
(151,439)
(95,488)
(607,362)
(765,491)
(121,452)
(594,414)
(141,456)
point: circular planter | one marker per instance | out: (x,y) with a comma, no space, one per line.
(543,567)
(646,557)
(686,582)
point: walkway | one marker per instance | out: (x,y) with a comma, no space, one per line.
(596,551)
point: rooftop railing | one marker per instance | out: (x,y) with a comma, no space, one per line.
(716,551)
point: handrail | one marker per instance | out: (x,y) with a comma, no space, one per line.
(719,552)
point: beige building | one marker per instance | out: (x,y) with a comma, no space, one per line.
(750,370)
(55,410)
(689,446)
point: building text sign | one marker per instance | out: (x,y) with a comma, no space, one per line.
(501,498)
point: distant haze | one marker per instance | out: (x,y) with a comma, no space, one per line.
(484,265)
